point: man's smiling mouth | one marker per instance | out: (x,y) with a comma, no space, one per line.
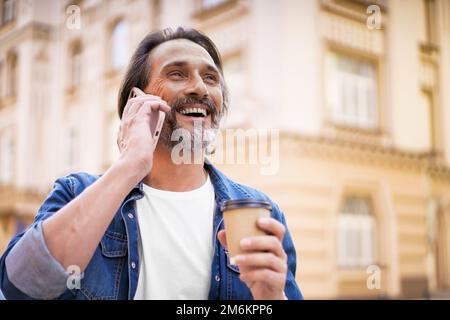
(194,110)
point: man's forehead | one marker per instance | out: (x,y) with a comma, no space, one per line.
(179,50)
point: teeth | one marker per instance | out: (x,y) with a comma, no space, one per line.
(193,110)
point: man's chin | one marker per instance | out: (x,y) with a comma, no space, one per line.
(181,128)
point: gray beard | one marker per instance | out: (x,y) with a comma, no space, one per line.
(197,141)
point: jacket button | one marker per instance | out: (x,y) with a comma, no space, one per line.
(217,278)
(130,215)
(133,265)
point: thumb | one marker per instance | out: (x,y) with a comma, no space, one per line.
(222,238)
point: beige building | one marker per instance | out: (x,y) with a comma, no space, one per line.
(356,89)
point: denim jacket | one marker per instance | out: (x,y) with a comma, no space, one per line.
(28,271)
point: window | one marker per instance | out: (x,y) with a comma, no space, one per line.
(427,114)
(119,48)
(75,64)
(8,11)
(351,96)
(6,158)
(356,233)
(11,74)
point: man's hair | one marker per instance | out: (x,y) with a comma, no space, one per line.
(138,71)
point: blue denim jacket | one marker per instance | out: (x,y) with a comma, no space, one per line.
(113,270)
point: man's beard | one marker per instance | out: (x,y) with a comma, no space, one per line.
(198,133)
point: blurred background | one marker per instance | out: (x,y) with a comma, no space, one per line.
(359,91)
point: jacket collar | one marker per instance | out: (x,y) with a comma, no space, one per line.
(220,182)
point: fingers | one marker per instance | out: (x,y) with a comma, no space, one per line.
(163,104)
(155,106)
(143,108)
(147,107)
(133,105)
(272,226)
(263,263)
(261,260)
(275,279)
(264,243)
(221,235)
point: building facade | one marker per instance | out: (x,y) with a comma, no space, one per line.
(356,90)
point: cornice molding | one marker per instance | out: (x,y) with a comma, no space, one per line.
(429,163)
(32,30)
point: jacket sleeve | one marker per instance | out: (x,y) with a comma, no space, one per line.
(291,289)
(27,268)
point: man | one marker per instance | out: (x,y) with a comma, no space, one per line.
(86,242)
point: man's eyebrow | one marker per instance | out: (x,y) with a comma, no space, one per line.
(180,64)
(210,67)
(175,64)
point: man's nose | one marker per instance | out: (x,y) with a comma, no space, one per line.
(197,87)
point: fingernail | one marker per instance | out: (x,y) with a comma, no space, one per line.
(245,242)
(264,221)
(233,260)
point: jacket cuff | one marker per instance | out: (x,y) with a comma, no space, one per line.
(32,269)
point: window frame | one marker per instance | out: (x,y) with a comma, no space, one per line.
(366,125)
(358,226)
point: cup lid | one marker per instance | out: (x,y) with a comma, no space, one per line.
(245,203)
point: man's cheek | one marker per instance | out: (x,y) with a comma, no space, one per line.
(157,88)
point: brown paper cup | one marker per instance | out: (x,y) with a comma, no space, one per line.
(240,218)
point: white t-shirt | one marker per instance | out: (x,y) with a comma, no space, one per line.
(175,244)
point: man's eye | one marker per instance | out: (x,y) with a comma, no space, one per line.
(175,74)
(210,77)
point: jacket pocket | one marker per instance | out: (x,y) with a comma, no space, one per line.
(113,245)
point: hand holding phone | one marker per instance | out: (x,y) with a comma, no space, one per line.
(140,128)
(156,120)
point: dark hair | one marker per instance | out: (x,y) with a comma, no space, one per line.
(138,71)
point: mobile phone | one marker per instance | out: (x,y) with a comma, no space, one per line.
(156,120)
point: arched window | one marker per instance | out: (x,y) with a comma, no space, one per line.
(356,233)
(119,45)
